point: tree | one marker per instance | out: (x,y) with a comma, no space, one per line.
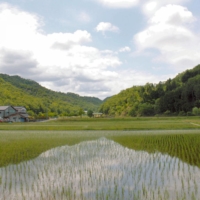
(81,112)
(146,109)
(132,112)
(90,113)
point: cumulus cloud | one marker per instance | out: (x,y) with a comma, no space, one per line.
(168,31)
(106,26)
(149,7)
(14,61)
(119,3)
(67,61)
(172,14)
(61,61)
(125,49)
(67,40)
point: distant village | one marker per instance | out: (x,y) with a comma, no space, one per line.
(13,114)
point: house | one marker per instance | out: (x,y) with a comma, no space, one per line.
(14,114)
(5,111)
(97,115)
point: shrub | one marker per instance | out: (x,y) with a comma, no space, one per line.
(167,113)
(190,114)
(182,113)
(195,111)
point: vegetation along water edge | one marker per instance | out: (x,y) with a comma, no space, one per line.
(18,146)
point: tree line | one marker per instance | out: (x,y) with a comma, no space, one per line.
(178,96)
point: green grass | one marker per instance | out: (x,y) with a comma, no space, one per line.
(151,123)
(24,141)
(17,146)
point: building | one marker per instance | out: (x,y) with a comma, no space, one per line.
(97,115)
(13,114)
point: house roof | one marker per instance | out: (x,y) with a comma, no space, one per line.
(23,115)
(3,107)
(20,109)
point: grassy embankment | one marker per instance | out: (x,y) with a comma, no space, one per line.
(24,144)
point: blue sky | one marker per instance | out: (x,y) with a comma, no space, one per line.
(98,47)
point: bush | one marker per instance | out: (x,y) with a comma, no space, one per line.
(167,113)
(182,113)
(195,111)
(190,114)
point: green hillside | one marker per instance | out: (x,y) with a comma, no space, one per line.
(178,96)
(15,90)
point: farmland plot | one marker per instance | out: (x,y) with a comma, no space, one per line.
(100,169)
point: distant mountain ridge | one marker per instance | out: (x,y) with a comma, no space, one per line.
(56,102)
(177,96)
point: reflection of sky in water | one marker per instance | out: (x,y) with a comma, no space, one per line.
(100,169)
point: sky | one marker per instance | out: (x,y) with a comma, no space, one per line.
(98,47)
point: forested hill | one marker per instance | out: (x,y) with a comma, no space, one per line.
(178,96)
(15,90)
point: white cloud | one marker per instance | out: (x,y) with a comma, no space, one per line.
(60,61)
(168,31)
(106,26)
(84,17)
(125,49)
(68,62)
(128,78)
(172,14)
(65,41)
(151,6)
(119,3)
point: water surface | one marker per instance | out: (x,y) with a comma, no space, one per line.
(100,169)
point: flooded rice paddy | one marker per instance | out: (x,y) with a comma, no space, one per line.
(100,169)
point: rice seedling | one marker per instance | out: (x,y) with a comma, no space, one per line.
(100,169)
(141,123)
